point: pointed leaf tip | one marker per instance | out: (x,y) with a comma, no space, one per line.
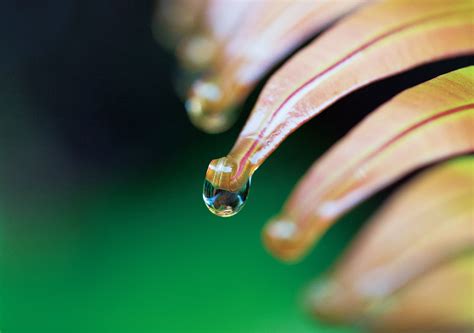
(424,124)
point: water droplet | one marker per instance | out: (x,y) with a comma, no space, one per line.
(222,202)
(226,186)
(206,108)
(282,229)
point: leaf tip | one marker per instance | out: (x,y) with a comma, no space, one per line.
(283,239)
(204,108)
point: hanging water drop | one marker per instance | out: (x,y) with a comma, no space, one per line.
(222,202)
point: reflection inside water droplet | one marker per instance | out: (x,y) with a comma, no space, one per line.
(222,202)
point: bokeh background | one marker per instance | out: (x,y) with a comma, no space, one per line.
(102,225)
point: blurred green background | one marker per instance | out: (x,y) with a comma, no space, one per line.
(102,225)
(145,256)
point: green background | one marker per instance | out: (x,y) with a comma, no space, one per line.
(141,253)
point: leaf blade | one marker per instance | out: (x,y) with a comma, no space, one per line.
(426,123)
(438,301)
(260,42)
(320,74)
(422,228)
(175,19)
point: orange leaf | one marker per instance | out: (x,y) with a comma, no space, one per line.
(376,42)
(440,301)
(426,123)
(267,33)
(424,225)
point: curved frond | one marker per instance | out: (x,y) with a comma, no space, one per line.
(267,32)
(173,20)
(422,229)
(371,44)
(426,123)
(438,302)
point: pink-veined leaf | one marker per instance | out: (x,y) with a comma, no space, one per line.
(426,224)
(426,123)
(270,30)
(373,43)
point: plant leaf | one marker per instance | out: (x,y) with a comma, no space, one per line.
(220,20)
(175,19)
(438,302)
(197,29)
(271,30)
(426,123)
(224,17)
(371,44)
(426,224)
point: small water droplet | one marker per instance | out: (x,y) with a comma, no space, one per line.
(282,229)
(206,108)
(224,203)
